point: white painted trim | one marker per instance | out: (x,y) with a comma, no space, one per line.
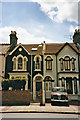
(49,56)
(18,73)
(37,70)
(17,47)
(34,85)
(36,57)
(40,59)
(38,75)
(22,62)
(13,58)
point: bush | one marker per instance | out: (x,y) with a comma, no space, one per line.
(16,84)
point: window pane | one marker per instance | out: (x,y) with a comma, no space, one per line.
(46,86)
(63,84)
(73,64)
(61,64)
(20,63)
(49,65)
(25,63)
(67,63)
(38,63)
(49,86)
(75,86)
(14,64)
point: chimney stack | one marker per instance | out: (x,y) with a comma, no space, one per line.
(76,36)
(44,46)
(13,38)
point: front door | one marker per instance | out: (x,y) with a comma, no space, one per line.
(38,88)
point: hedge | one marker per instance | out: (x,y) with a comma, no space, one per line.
(15,84)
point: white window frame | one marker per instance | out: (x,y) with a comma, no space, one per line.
(23,68)
(48,83)
(40,59)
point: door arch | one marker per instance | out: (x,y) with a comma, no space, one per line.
(37,80)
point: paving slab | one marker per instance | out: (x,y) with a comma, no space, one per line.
(40,109)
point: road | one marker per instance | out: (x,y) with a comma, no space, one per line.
(45,116)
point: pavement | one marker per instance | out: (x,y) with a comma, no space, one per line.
(36,108)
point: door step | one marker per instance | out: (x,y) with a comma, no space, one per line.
(35,104)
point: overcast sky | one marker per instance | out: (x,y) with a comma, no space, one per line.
(35,22)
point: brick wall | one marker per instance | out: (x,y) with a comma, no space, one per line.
(15,97)
(2,68)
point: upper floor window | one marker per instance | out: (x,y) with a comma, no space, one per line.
(19,62)
(73,63)
(37,65)
(37,60)
(25,63)
(48,63)
(67,63)
(14,64)
(61,62)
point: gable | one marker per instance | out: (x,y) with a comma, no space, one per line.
(71,45)
(19,48)
(67,51)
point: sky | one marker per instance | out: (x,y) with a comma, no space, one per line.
(36,21)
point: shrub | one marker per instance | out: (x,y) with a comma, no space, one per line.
(16,84)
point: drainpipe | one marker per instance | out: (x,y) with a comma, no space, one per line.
(56,71)
(31,73)
(43,88)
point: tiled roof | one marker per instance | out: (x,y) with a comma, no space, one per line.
(30,46)
(74,46)
(4,48)
(51,48)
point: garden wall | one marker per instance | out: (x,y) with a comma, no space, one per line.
(15,97)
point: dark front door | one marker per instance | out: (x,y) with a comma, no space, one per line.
(38,88)
(69,85)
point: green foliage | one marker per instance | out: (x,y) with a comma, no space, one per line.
(16,84)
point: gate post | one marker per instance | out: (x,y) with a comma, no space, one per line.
(42,97)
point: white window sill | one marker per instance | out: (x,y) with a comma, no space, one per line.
(20,70)
(37,70)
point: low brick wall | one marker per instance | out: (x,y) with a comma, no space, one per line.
(15,97)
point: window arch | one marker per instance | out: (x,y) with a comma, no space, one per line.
(67,63)
(37,60)
(48,63)
(19,62)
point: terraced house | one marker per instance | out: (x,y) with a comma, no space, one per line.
(43,65)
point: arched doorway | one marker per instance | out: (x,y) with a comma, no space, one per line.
(37,86)
(48,86)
